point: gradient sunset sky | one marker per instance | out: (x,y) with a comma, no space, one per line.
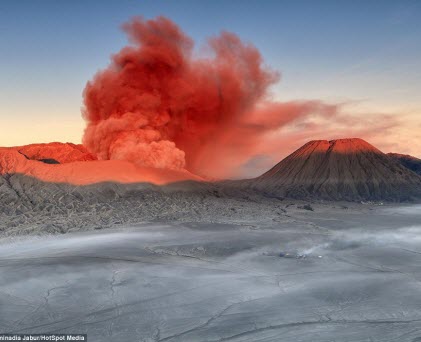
(364,55)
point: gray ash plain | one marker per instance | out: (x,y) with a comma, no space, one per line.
(288,274)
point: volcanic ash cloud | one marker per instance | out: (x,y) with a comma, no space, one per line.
(157,106)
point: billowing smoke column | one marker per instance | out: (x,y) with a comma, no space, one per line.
(158,106)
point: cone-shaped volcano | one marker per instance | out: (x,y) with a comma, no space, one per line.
(344,169)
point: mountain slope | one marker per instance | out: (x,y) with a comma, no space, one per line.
(59,152)
(408,161)
(344,169)
(13,161)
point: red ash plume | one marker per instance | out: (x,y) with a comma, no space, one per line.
(158,106)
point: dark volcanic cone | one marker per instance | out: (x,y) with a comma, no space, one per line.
(345,169)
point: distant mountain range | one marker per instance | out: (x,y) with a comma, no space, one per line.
(344,169)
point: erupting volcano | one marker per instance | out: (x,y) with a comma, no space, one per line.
(161,113)
(157,105)
(166,202)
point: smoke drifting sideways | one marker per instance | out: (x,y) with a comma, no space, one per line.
(156,105)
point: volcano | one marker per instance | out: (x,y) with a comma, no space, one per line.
(343,169)
(73,164)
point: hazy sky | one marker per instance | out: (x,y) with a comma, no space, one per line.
(363,53)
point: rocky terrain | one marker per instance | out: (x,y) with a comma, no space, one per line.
(30,206)
(43,191)
(44,197)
